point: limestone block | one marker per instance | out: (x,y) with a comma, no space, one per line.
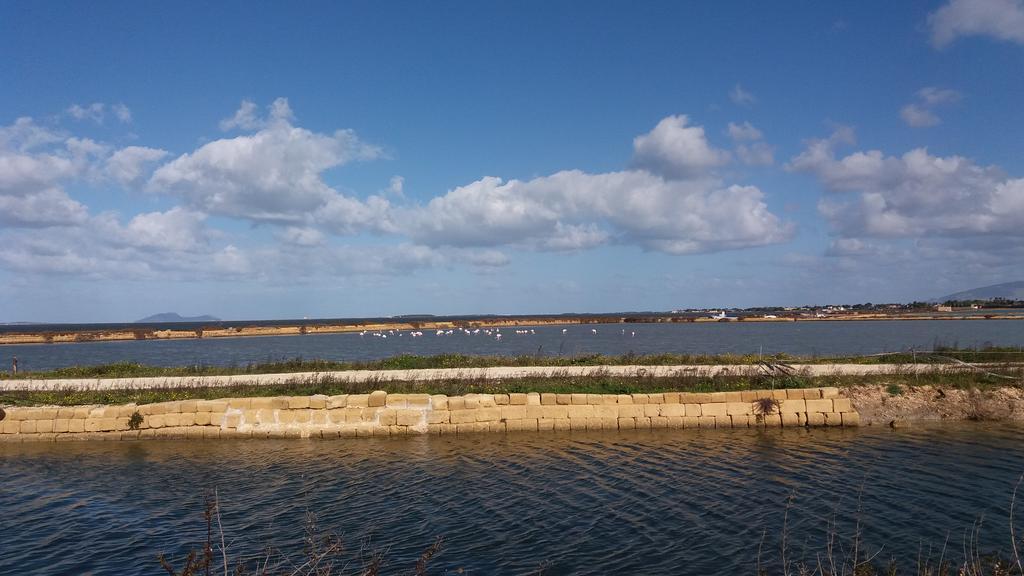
(12,426)
(188,405)
(398,430)
(172,420)
(406,417)
(548,399)
(439,402)
(554,412)
(66,413)
(579,399)
(742,420)
(580,411)
(286,416)
(375,398)
(714,409)
(513,412)
(651,410)
(217,418)
(595,399)
(790,420)
(691,422)
(95,413)
(706,421)
(851,419)
(659,422)
(594,423)
(189,418)
(488,414)
(694,410)
(387,417)
(605,411)
(438,417)
(502,399)
(434,429)
(297,402)
(359,400)
(533,399)
(462,416)
(524,425)
(671,397)
(675,422)
(147,434)
(673,410)
(793,405)
(318,401)
(221,406)
(81,412)
(795,394)
(496,427)
(194,433)
(717,397)
(355,414)
(210,433)
(577,423)
(656,398)
(240,403)
(563,398)
(472,401)
(50,413)
(457,403)
(624,399)
(303,416)
(349,431)
(471,427)
(631,410)
(232,420)
(609,399)
(812,393)
(830,392)
(562,424)
(738,408)
(418,400)
(545,425)
(337,401)
(266,415)
(517,399)
(842,405)
(396,401)
(535,412)
(261,403)
(833,419)
(815,419)
(823,405)
(111,424)
(778,394)
(643,422)
(44,426)
(379,430)
(639,398)
(486,400)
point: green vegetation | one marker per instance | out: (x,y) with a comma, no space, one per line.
(594,384)
(410,362)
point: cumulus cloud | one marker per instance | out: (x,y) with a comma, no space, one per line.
(272,175)
(750,147)
(912,195)
(676,150)
(97,112)
(129,166)
(741,97)
(920,114)
(999,19)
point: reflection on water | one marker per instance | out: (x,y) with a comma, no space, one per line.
(796,338)
(674,502)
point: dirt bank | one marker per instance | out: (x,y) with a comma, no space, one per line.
(901,405)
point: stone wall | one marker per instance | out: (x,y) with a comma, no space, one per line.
(383,414)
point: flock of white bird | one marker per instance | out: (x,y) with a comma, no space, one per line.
(495,333)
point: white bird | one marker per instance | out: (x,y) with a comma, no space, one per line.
(564,330)
(593,330)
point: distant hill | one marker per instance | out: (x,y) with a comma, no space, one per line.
(1007,290)
(175,317)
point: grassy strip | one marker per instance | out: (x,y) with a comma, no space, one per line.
(412,362)
(597,384)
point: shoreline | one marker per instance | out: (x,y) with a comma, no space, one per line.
(42,336)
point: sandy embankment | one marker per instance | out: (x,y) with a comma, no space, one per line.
(880,407)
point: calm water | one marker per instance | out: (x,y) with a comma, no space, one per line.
(800,338)
(654,502)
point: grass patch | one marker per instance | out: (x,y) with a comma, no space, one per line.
(413,362)
(594,384)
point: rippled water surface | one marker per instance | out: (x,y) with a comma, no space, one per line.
(798,338)
(654,502)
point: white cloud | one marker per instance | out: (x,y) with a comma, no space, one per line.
(913,195)
(999,19)
(741,97)
(272,175)
(675,150)
(129,166)
(122,113)
(917,117)
(244,118)
(744,132)
(920,114)
(176,229)
(750,147)
(94,112)
(300,236)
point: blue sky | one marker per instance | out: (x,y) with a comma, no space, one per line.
(269,160)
